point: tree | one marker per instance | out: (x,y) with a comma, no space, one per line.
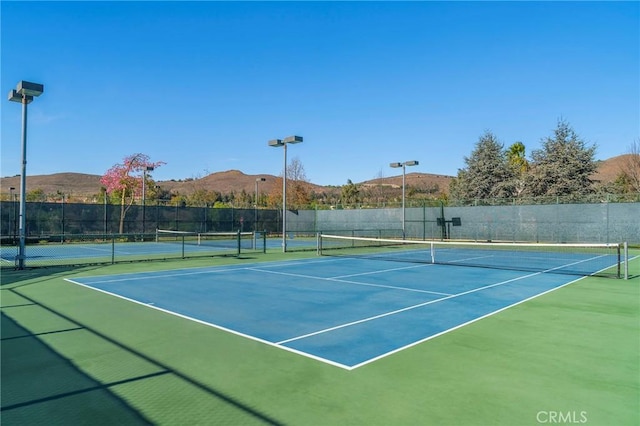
(350,193)
(487,174)
(36,195)
(298,192)
(203,197)
(125,181)
(516,157)
(563,166)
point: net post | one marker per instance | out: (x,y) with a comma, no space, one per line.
(264,241)
(618,262)
(239,242)
(113,249)
(157,236)
(183,246)
(626,260)
(318,244)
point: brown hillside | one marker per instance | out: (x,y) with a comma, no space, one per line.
(417,180)
(84,187)
(227,182)
(608,170)
(70,184)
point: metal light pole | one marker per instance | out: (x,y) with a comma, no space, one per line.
(24,93)
(12,199)
(104,196)
(63,200)
(255,205)
(403,165)
(157,188)
(283,143)
(144,195)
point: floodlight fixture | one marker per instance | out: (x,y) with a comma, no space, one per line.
(292,139)
(283,143)
(29,89)
(14,96)
(395,165)
(24,93)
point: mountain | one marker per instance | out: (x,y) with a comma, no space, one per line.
(77,184)
(609,170)
(84,187)
(226,182)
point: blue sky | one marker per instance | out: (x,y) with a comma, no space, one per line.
(204,85)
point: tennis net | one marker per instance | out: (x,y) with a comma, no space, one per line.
(575,259)
(234,242)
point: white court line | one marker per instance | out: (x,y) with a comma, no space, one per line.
(432,302)
(392,287)
(87,247)
(305,354)
(350,282)
(199,270)
(219,327)
(433,336)
(423,265)
(407,308)
(156,275)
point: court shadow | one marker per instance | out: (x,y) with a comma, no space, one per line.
(10,277)
(41,387)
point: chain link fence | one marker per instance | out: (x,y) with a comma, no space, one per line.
(64,223)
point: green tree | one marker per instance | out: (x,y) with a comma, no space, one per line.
(203,197)
(563,166)
(36,195)
(350,193)
(487,173)
(516,157)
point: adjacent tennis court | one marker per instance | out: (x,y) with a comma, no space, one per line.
(347,311)
(73,249)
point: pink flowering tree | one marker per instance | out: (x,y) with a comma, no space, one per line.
(125,181)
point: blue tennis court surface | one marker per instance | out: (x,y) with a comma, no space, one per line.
(342,311)
(123,250)
(104,250)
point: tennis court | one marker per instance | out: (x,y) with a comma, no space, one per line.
(102,249)
(303,339)
(344,311)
